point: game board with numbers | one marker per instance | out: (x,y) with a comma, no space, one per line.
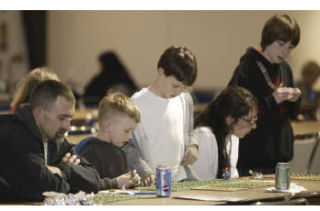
(217,184)
(309,177)
(102,198)
(236,185)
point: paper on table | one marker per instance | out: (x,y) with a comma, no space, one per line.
(294,188)
(208,198)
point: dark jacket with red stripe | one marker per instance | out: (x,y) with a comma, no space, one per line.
(272,140)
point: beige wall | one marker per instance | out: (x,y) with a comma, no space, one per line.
(218,38)
(15,47)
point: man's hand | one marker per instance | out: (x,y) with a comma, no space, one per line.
(71,160)
(56,170)
(191,155)
(130,179)
(149,180)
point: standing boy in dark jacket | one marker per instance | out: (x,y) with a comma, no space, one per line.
(269,77)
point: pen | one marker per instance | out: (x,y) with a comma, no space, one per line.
(143,193)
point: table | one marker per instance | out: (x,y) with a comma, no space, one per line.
(253,195)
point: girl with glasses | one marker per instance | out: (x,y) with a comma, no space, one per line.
(232,115)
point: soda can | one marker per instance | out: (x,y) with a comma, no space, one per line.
(163,181)
(282,176)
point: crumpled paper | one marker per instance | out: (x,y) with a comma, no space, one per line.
(294,188)
(80,198)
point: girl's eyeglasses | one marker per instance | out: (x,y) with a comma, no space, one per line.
(251,121)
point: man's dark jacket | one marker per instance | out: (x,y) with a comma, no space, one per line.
(23,174)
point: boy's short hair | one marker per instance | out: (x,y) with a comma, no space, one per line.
(47,92)
(180,62)
(280,27)
(116,104)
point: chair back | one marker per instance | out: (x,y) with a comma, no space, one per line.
(314,160)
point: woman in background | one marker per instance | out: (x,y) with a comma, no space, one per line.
(34,77)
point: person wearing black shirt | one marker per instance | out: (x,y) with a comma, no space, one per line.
(118,117)
(266,74)
(34,155)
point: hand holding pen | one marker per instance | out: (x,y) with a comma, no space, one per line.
(129,180)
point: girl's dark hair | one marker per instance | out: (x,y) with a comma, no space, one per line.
(234,101)
(280,27)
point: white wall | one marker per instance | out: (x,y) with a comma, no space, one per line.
(218,38)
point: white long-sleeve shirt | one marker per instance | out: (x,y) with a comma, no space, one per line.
(206,166)
(163,133)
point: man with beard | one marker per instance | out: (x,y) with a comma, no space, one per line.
(34,156)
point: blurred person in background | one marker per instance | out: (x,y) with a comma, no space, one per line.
(35,77)
(113,75)
(309,96)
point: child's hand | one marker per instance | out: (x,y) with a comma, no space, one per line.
(149,180)
(130,179)
(281,94)
(135,178)
(191,155)
(286,93)
(296,92)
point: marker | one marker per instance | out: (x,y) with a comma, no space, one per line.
(144,193)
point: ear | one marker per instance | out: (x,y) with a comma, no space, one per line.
(106,124)
(161,71)
(37,114)
(229,120)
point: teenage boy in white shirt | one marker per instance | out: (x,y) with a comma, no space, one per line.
(164,135)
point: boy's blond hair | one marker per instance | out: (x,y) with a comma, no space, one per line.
(117,103)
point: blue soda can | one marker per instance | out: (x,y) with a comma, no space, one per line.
(163,181)
(282,176)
